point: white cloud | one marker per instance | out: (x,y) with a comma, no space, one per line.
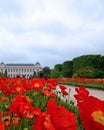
(63,26)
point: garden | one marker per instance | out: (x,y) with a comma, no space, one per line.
(35,104)
(97,83)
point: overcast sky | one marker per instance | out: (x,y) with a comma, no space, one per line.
(50,31)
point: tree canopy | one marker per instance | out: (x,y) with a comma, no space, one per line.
(87,66)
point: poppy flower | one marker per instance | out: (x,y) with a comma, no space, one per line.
(3,99)
(91,111)
(63,87)
(1,122)
(53,81)
(46,93)
(0,114)
(53,94)
(22,98)
(19,88)
(27,111)
(37,84)
(51,86)
(55,118)
(2,127)
(15,120)
(6,119)
(82,93)
(64,92)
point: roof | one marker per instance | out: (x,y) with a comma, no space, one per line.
(19,64)
(37,63)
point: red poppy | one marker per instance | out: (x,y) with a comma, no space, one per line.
(48,89)
(63,87)
(64,92)
(17,102)
(1,122)
(55,118)
(37,84)
(15,121)
(24,110)
(51,86)
(46,93)
(91,111)
(2,125)
(22,98)
(19,88)
(7,87)
(52,81)
(28,111)
(7,120)
(0,114)
(3,99)
(53,94)
(14,107)
(82,93)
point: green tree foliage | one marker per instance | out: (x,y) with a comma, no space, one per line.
(86,60)
(67,74)
(68,65)
(2,75)
(89,66)
(46,72)
(58,67)
(67,70)
(86,72)
(35,75)
(101,63)
(57,71)
(55,74)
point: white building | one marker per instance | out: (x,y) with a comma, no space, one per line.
(22,70)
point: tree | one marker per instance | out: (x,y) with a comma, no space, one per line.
(95,62)
(67,70)
(58,67)
(55,74)
(35,75)
(2,75)
(46,72)
(86,72)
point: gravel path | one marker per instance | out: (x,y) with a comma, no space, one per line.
(94,92)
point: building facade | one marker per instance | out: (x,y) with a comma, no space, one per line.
(21,70)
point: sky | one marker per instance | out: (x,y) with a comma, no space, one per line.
(50,31)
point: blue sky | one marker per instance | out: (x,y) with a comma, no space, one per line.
(50,31)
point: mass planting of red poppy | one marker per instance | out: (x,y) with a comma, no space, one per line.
(91,110)
(31,104)
(84,81)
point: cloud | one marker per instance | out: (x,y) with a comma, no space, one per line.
(50,31)
(9,7)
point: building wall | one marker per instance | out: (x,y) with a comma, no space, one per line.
(2,68)
(25,70)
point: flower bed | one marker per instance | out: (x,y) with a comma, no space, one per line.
(91,83)
(35,105)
